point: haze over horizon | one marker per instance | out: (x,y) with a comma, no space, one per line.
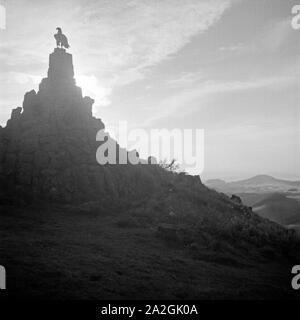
(230,67)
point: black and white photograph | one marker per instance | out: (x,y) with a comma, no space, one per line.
(149,151)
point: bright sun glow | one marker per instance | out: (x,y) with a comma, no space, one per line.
(92,88)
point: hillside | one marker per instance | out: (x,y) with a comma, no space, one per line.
(93,252)
(271,198)
(279,208)
(73,228)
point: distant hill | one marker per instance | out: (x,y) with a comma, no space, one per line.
(256,184)
(275,199)
(279,208)
(216,183)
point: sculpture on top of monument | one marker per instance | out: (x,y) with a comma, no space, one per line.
(61,39)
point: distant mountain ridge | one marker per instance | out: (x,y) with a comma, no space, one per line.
(275,199)
(258,183)
(260,179)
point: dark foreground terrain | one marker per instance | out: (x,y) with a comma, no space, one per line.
(64,252)
(137,231)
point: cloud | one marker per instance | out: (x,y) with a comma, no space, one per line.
(132,36)
(24,78)
(114,43)
(91,87)
(237,48)
(275,35)
(271,38)
(182,100)
(185,79)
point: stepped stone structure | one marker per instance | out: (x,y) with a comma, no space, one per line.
(48,147)
(49,137)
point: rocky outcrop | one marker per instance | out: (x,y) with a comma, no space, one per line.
(236,199)
(48,147)
(52,138)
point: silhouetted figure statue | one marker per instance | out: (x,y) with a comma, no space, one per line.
(61,39)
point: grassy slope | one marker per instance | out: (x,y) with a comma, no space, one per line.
(279,208)
(250,199)
(63,252)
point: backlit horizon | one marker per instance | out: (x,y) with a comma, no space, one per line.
(230,67)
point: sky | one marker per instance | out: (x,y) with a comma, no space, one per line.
(229,67)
